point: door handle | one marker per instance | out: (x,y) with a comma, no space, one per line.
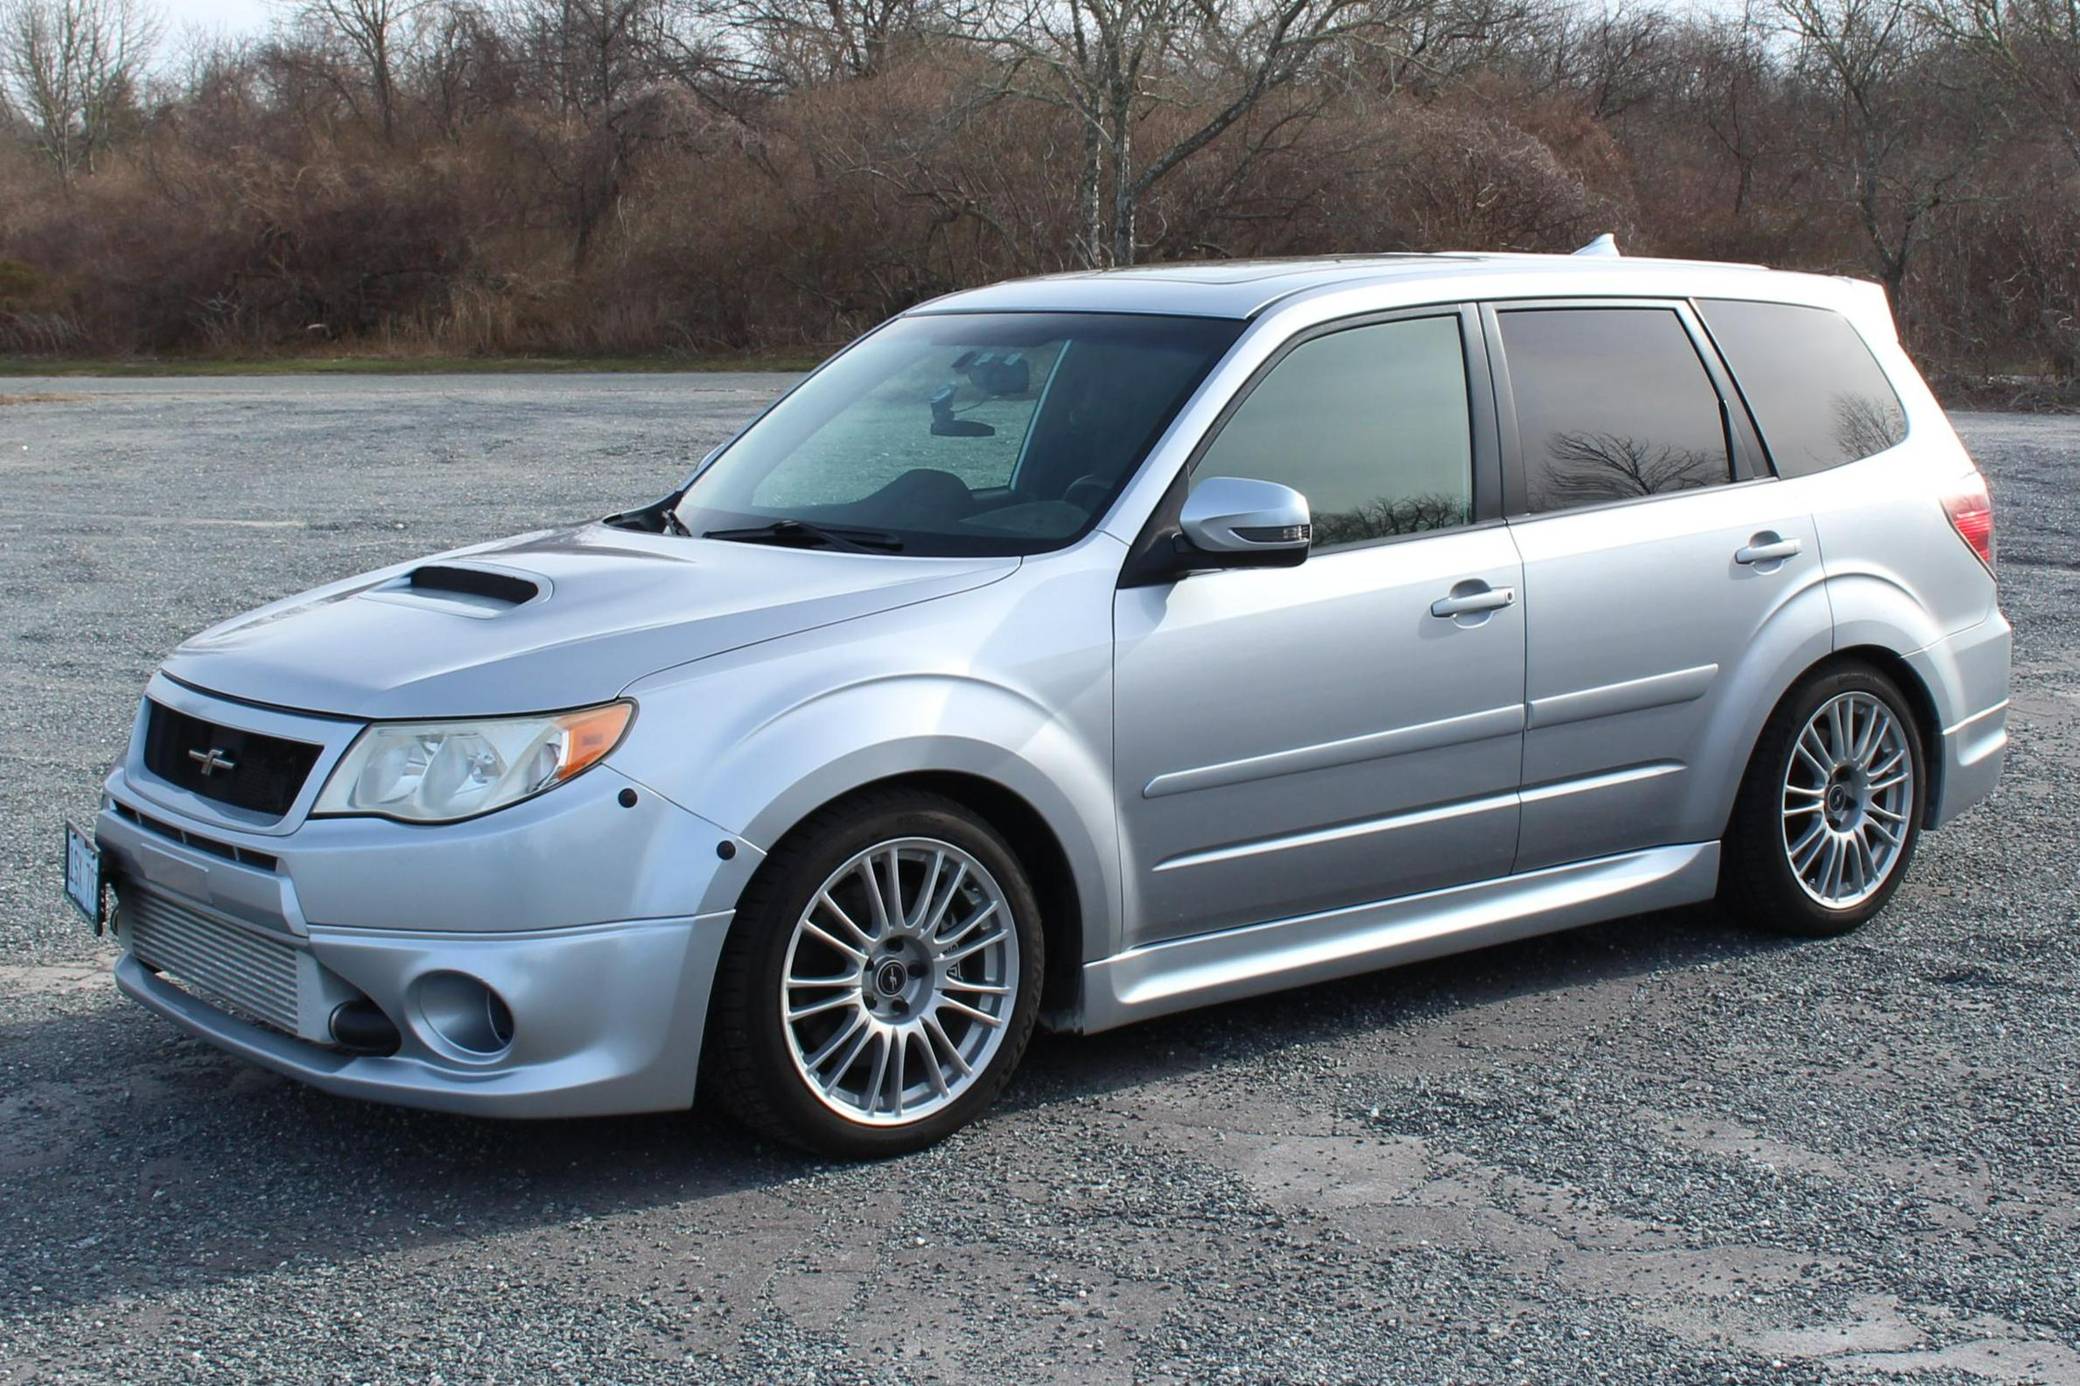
(1768,549)
(1464,604)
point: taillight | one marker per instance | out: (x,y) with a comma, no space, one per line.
(1970,509)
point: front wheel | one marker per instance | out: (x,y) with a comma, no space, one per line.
(1830,811)
(881,979)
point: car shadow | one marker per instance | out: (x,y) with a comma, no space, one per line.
(134,1159)
(1388,1003)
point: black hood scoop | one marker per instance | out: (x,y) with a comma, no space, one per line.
(508,588)
(464,589)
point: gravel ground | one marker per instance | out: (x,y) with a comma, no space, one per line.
(1656,1149)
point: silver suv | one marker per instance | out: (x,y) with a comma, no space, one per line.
(1075,651)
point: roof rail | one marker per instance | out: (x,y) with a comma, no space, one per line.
(1603,247)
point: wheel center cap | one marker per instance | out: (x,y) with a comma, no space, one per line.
(891,977)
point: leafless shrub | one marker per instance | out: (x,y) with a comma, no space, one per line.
(492,176)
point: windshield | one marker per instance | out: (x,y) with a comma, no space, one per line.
(982,433)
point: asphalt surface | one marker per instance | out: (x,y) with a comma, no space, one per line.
(1659,1149)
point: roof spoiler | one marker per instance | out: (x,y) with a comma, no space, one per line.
(1604,247)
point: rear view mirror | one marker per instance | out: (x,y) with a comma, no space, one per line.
(945,425)
(1233,522)
(996,372)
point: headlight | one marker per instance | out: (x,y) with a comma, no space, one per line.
(435,772)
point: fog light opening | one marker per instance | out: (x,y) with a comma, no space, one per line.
(465,1014)
(360,1026)
(499,1018)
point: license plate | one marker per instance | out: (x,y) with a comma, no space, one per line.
(84,883)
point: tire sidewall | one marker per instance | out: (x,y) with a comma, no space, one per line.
(783,896)
(1773,888)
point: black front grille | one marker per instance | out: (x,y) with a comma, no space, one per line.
(240,768)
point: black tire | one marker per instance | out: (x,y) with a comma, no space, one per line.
(1757,884)
(755,1062)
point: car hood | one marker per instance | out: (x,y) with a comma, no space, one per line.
(554,619)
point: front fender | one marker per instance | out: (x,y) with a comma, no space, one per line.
(815,754)
(1011,684)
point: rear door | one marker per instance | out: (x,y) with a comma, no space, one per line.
(1655,548)
(1297,739)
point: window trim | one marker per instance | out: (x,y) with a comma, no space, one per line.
(1148,560)
(1746,459)
(1025,444)
(1761,443)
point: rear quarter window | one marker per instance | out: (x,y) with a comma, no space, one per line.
(1817,394)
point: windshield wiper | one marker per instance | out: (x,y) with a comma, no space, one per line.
(658,517)
(803,534)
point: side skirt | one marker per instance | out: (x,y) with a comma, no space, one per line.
(1178,974)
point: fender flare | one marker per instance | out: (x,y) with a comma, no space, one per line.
(817,751)
(1885,627)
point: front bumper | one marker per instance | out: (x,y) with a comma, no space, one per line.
(594,914)
(605,1019)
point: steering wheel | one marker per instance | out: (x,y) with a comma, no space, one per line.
(1087,492)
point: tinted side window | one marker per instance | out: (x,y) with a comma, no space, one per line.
(1816,391)
(1612,404)
(1370,424)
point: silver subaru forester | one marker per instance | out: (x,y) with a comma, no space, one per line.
(1074,651)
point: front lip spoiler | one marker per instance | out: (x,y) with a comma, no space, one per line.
(285,1055)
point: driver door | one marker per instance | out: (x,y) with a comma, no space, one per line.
(1294,740)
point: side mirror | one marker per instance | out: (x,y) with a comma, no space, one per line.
(1232,522)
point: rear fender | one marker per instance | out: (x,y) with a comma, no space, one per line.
(1791,640)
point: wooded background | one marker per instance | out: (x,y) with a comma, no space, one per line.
(729,176)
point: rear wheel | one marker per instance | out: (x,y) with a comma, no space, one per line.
(1830,810)
(882,978)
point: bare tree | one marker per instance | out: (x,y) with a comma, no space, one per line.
(810,40)
(1876,75)
(1865,425)
(1617,56)
(374,32)
(453,64)
(2033,47)
(1729,89)
(1114,62)
(1424,49)
(1588,468)
(611,78)
(73,68)
(1386,516)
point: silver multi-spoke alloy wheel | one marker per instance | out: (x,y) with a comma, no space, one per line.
(1848,791)
(900,980)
